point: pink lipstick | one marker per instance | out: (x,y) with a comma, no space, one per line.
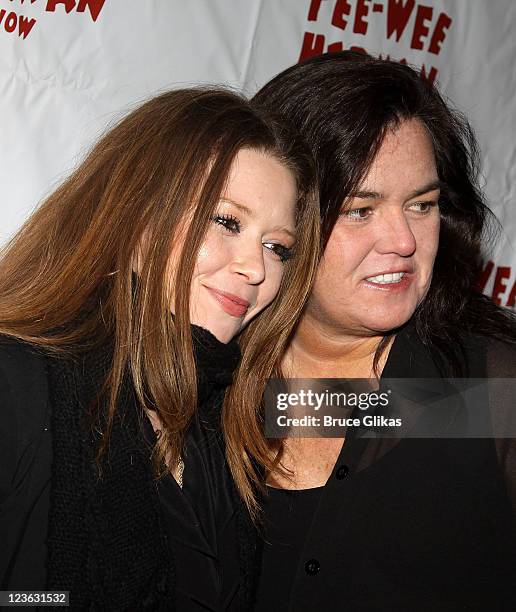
(232,304)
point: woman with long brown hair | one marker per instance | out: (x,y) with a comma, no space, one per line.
(197,208)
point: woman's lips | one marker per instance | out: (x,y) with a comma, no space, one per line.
(389,281)
(232,304)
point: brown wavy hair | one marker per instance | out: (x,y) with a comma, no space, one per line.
(66,278)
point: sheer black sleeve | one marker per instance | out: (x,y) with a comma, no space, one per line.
(501,372)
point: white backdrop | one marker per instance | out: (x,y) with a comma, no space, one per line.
(69,68)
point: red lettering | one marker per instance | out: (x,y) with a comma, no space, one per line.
(25,26)
(335,47)
(398,14)
(95,7)
(424,13)
(499,287)
(511,302)
(358,49)
(313,12)
(312,45)
(483,277)
(431,76)
(11,22)
(361,11)
(51,5)
(2,14)
(443,23)
(342,7)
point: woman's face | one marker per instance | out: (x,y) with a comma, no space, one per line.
(377,266)
(241,260)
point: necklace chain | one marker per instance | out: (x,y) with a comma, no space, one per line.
(180,466)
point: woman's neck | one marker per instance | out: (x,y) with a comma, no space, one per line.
(319,352)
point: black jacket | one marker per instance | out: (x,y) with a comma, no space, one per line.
(107,541)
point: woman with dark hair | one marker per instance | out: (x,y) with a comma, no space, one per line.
(392,522)
(198,207)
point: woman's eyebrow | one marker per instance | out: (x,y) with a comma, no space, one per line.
(248,211)
(432,186)
(367,195)
(282,228)
(375,195)
(241,207)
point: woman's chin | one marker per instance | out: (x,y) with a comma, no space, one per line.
(386,322)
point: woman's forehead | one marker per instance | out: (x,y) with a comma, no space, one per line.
(405,162)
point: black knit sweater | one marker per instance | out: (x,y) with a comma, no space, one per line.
(99,527)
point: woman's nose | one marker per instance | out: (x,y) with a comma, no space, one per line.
(249,262)
(396,236)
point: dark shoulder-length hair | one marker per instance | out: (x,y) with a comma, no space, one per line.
(344,103)
(67,282)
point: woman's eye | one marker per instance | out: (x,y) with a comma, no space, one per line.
(357,214)
(282,252)
(228,222)
(422,207)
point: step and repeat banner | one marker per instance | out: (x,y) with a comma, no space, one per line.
(71,68)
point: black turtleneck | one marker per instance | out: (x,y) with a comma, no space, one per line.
(201,518)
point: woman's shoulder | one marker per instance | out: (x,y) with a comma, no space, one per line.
(23,405)
(498,352)
(492,331)
(22,366)
(488,356)
(500,358)
(23,389)
(11,348)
